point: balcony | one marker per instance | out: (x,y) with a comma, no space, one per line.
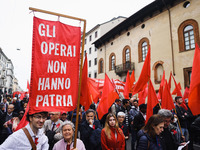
(122,69)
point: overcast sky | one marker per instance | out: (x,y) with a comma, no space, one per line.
(16,23)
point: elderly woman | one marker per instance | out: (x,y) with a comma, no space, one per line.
(112,137)
(67,143)
(148,138)
(120,117)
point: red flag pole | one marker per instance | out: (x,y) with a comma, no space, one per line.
(80,77)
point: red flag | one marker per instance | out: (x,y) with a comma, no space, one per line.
(28,86)
(85,98)
(167,101)
(142,95)
(169,82)
(145,74)
(132,78)
(23,122)
(55,66)
(152,101)
(94,92)
(177,90)
(186,93)
(127,86)
(162,85)
(194,96)
(108,97)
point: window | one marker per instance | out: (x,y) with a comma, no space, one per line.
(187,76)
(85,53)
(158,71)
(89,75)
(90,50)
(89,63)
(143,47)
(112,61)
(96,34)
(101,65)
(95,74)
(95,61)
(126,54)
(90,37)
(85,41)
(95,49)
(188,35)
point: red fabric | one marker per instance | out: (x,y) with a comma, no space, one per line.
(127,86)
(119,85)
(169,82)
(142,95)
(152,101)
(167,101)
(23,122)
(112,143)
(145,74)
(85,98)
(55,66)
(186,93)
(194,96)
(94,92)
(132,79)
(28,86)
(108,97)
(177,90)
(36,141)
(162,85)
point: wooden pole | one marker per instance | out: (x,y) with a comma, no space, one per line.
(80,77)
(178,122)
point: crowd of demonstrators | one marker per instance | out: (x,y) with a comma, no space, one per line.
(112,136)
(148,137)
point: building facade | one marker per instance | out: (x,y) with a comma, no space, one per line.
(93,35)
(169,27)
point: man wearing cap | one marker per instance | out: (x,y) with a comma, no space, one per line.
(19,140)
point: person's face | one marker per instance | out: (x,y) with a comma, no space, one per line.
(37,120)
(64,116)
(54,116)
(112,122)
(180,101)
(90,116)
(159,128)
(67,132)
(135,104)
(167,121)
(4,100)
(120,119)
(10,109)
(25,106)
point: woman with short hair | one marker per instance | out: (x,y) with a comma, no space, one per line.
(67,143)
(112,137)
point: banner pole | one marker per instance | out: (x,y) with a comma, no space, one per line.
(79,88)
(80,77)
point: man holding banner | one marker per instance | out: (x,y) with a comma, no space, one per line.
(29,137)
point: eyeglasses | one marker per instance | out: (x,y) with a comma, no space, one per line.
(40,117)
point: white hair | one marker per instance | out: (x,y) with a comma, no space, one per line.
(121,114)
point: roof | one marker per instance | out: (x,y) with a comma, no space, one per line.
(150,10)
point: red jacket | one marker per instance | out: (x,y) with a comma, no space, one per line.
(112,144)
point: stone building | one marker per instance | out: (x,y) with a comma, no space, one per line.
(169,27)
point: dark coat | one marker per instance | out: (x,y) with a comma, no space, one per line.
(145,142)
(138,122)
(86,132)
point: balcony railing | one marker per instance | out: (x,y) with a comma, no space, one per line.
(122,69)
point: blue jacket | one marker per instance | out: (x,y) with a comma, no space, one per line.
(145,142)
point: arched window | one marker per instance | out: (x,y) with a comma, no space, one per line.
(127,55)
(143,47)
(112,61)
(101,65)
(158,71)
(188,34)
